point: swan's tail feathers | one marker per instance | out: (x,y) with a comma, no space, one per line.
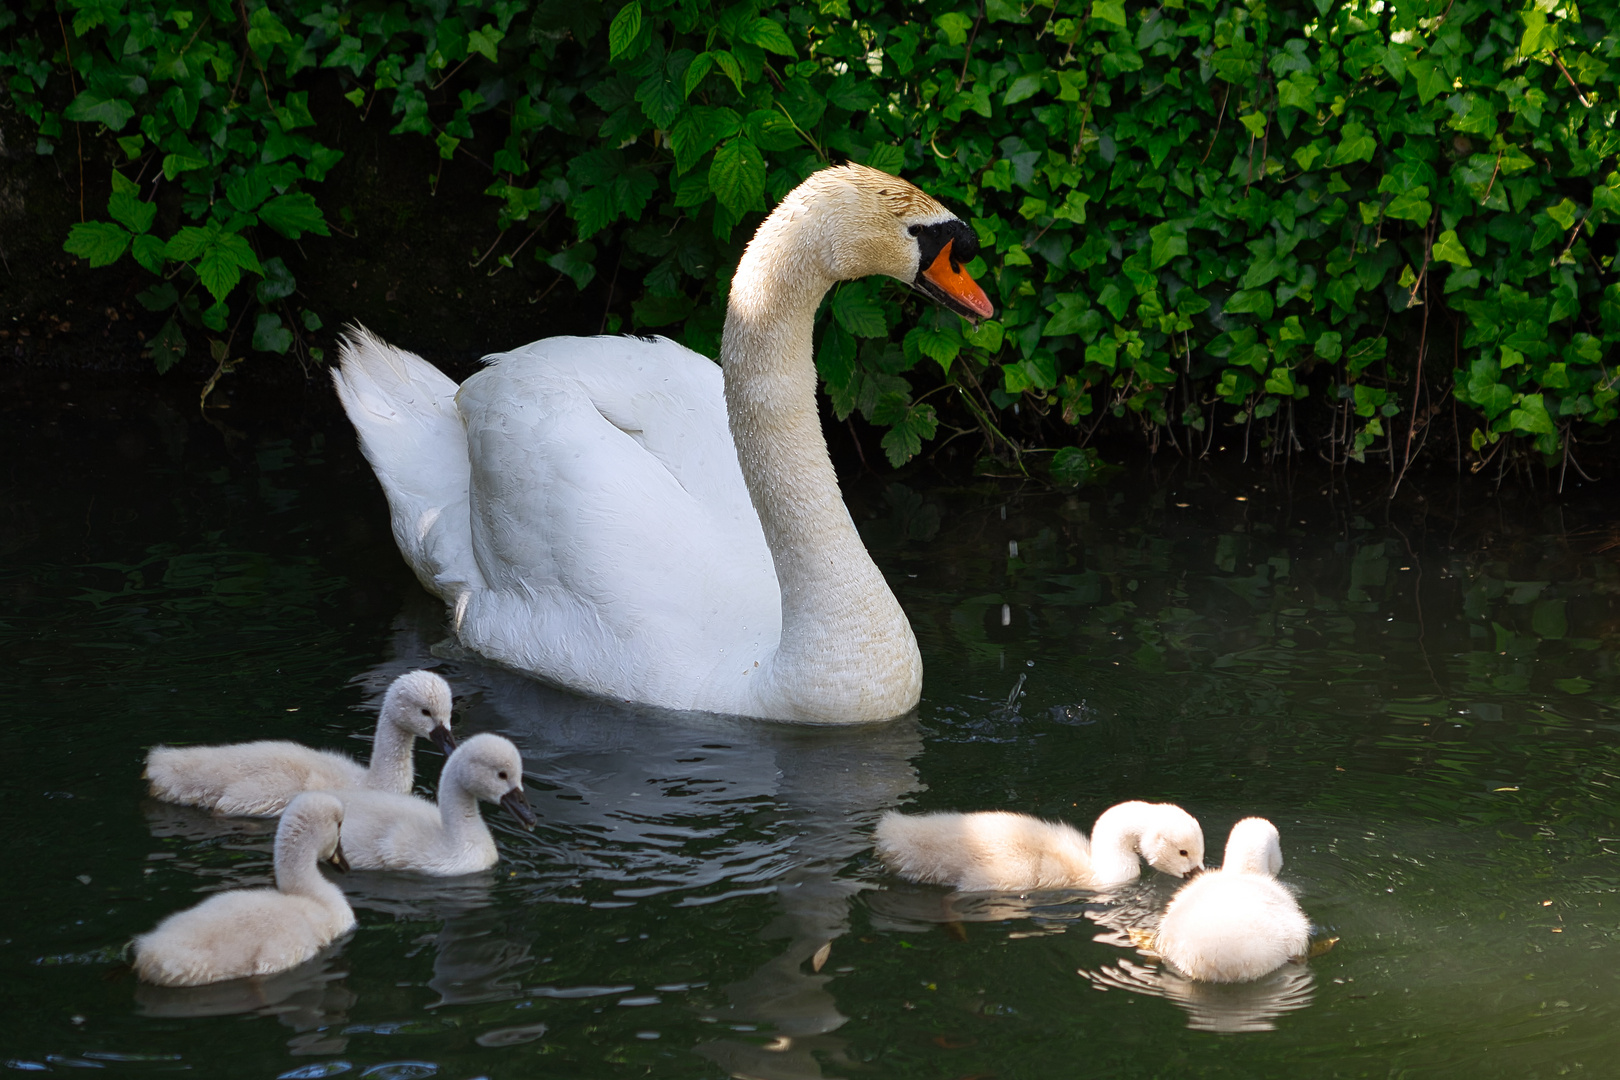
(404,410)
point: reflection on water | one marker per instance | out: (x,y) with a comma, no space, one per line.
(310,999)
(647,803)
(1423,697)
(1225,1007)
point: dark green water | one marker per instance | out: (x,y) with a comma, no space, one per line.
(1423,700)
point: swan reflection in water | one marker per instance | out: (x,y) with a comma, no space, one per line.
(650,802)
(1117,914)
(1225,1007)
(310,998)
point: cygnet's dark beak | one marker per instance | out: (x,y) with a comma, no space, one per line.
(442,738)
(337,859)
(1190,874)
(518,806)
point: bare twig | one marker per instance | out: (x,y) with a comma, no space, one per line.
(1224,95)
(1572,83)
(1494,170)
(967,53)
(73,84)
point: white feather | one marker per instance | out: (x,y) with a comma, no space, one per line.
(233,935)
(1239,922)
(999,851)
(582,506)
(259,778)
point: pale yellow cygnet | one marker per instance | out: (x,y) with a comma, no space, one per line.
(1000,851)
(233,935)
(386,831)
(260,778)
(1239,922)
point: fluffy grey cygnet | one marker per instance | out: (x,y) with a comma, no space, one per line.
(1000,851)
(1239,922)
(260,778)
(386,831)
(233,935)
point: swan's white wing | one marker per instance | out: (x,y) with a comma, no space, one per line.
(404,410)
(611,523)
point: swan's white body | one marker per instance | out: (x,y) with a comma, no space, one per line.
(386,831)
(616,516)
(1239,922)
(1000,851)
(233,935)
(259,779)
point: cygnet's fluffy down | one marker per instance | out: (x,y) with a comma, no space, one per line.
(1000,851)
(260,778)
(385,831)
(233,935)
(1239,922)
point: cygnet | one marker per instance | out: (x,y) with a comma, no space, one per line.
(1239,922)
(260,778)
(233,935)
(385,831)
(1000,851)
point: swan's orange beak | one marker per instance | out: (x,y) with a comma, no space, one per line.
(955,287)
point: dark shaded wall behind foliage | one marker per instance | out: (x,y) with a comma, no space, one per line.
(1194,216)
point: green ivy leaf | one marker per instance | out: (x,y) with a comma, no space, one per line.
(886,157)
(1450,249)
(956,25)
(768,35)
(937,345)
(1109,11)
(904,440)
(1251,302)
(1564,212)
(1356,143)
(1429,78)
(699,130)
(277,283)
(175,164)
(100,242)
(247,191)
(737,176)
(93,108)
(127,209)
(294,214)
(147,250)
(624,30)
(1531,416)
(1169,242)
(578,263)
(270,336)
(858,314)
(484,40)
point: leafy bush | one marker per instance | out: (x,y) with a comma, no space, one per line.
(1193,215)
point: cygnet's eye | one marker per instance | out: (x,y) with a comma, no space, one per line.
(425,712)
(502,775)
(1184,851)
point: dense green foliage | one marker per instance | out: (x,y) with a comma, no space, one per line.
(1193,215)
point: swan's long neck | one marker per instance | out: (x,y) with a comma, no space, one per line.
(1115,842)
(393,761)
(458,811)
(846,646)
(298,852)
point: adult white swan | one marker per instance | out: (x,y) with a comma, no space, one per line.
(615,516)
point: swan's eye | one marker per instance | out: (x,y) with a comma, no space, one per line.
(502,775)
(915,230)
